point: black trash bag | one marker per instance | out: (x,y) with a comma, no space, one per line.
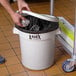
(37,25)
(34,24)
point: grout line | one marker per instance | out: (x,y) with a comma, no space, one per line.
(60,70)
(18,73)
(13,73)
(45,73)
(15,53)
(7,70)
(11,64)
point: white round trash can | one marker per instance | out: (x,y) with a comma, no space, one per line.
(37,50)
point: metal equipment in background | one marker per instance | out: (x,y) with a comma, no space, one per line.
(67,37)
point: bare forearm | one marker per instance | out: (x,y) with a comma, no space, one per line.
(6,5)
(22,4)
(20,0)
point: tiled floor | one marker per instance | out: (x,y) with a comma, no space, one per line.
(9,43)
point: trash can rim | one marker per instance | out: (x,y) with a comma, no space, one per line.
(33,32)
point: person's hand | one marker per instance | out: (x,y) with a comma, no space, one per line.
(22,4)
(17,19)
(16,16)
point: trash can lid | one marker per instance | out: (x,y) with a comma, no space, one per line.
(41,16)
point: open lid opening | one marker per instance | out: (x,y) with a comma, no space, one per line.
(38,25)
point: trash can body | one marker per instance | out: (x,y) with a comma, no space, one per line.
(37,50)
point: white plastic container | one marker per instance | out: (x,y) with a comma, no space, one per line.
(37,50)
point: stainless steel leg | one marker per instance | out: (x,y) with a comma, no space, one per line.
(74,50)
(52,7)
